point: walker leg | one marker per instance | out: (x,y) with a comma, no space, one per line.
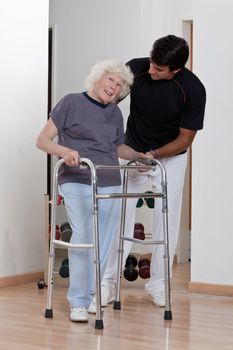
(117,305)
(99,324)
(98,321)
(48,313)
(49,310)
(117,302)
(167,315)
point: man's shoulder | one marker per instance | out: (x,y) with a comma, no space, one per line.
(139,65)
(191,85)
(188,78)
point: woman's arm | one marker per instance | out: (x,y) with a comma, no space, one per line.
(45,143)
(128,153)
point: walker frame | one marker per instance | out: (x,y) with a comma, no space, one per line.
(140,163)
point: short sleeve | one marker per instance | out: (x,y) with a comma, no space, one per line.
(194,108)
(60,112)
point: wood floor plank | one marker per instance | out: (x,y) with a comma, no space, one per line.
(200,322)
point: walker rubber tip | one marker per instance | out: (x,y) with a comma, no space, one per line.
(99,324)
(167,315)
(117,305)
(48,313)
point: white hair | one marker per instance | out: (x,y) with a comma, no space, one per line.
(113,67)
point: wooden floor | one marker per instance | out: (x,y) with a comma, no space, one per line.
(200,322)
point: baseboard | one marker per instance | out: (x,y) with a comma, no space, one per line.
(20,279)
(212,289)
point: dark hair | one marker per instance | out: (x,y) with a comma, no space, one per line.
(170,51)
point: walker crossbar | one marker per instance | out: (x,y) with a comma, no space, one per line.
(129,195)
(70,245)
(138,164)
(139,241)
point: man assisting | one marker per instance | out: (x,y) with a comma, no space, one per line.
(167,104)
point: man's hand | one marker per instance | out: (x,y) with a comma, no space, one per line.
(147,155)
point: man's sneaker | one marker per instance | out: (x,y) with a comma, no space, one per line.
(92,308)
(158,298)
(107,294)
(78,314)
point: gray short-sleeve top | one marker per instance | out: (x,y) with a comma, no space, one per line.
(94,130)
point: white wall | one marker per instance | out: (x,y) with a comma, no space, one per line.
(160,18)
(88,31)
(212,233)
(23,91)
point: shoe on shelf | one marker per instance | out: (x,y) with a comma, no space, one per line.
(79,314)
(157,297)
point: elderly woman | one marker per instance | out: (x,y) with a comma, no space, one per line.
(89,124)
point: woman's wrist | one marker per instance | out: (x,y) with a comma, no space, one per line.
(155,153)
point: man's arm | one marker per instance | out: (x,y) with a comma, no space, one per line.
(180,144)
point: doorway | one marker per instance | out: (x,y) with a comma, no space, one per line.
(184,242)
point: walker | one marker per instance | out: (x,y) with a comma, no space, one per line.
(140,163)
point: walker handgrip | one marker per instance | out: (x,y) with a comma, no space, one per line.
(146,161)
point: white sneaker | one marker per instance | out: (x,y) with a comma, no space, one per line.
(92,308)
(107,294)
(158,298)
(78,314)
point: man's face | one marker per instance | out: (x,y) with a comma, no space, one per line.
(161,72)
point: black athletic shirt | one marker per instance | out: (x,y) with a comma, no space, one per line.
(158,108)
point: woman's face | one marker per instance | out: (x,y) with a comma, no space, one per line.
(107,88)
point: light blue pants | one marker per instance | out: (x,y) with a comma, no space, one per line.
(78,203)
